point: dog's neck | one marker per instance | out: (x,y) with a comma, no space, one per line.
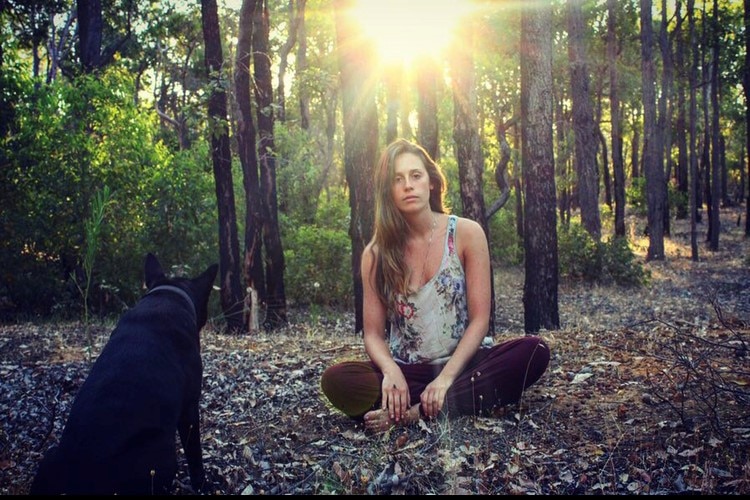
(178,291)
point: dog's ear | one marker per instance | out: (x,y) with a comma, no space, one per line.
(208,276)
(153,270)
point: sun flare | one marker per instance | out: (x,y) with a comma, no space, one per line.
(404,30)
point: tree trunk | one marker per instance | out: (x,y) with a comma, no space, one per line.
(246,136)
(715,225)
(664,121)
(392,77)
(284,51)
(274,253)
(586,140)
(746,86)
(304,99)
(618,166)
(90,26)
(360,137)
(652,165)
(466,131)
(427,78)
(683,185)
(540,228)
(468,142)
(693,125)
(229,275)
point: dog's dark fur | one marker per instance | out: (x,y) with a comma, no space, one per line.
(145,386)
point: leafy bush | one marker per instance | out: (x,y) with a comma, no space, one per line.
(604,262)
(318,266)
(635,194)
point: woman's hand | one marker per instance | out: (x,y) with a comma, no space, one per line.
(433,396)
(396,399)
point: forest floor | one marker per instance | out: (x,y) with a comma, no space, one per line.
(647,392)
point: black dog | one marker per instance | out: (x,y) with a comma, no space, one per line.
(145,386)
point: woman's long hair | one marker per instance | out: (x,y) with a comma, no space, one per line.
(391,272)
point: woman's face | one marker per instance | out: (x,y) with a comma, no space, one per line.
(411,184)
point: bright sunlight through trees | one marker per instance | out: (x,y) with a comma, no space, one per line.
(404,30)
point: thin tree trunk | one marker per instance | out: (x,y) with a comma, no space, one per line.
(246,136)
(618,166)
(427,78)
(683,168)
(715,226)
(693,124)
(746,86)
(274,253)
(664,122)
(360,137)
(651,158)
(540,228)
(586,140)
(229,261)
(468,142)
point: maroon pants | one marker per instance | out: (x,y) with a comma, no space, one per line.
(495,376)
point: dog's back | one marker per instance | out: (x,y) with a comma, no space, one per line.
(145,386)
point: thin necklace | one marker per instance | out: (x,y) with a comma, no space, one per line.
(429,244)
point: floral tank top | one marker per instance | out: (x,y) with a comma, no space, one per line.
(429,322)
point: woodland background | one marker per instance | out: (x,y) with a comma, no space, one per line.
(603,146)
(137,126)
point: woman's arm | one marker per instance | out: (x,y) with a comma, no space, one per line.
(474,253)
(395,390)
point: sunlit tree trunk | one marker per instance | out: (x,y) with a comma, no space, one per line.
(586,140)
(275,297)
(466,137)
(652,165)
(540,228)
(360,137)
(427,82)
(229,261)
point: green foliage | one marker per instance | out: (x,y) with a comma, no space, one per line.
(506,247)
(318,266)
(73,138)
(602,262)
(635,195)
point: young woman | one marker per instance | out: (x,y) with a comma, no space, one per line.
(428,274)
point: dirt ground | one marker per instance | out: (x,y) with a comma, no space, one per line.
(646,393)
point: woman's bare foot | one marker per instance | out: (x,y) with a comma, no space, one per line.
(380,421)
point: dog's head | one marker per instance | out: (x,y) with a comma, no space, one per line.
(198,288)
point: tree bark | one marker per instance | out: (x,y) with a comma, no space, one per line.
(540,228)
(618,166)
(652,165)
(360,137)
(664,121)
(586,140)
(274,253)
(693,125)
(246,136)
(229,276)
(715,225)
(427,78)
(746,87)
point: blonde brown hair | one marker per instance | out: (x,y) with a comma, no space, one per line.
(391,273)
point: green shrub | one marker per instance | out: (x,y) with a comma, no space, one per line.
(318,266)
(635,195)
(603,262)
